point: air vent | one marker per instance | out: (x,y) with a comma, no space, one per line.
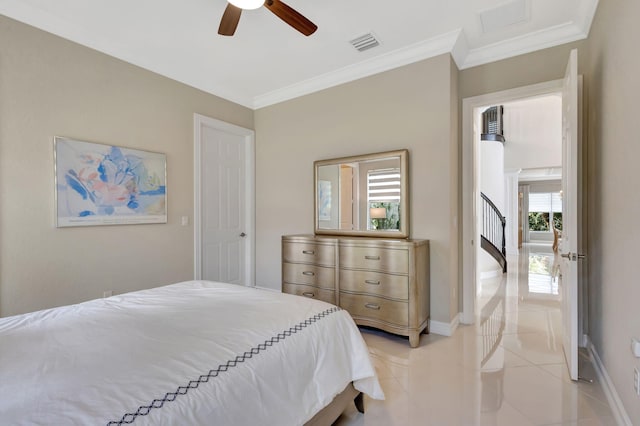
(492,129)
(365,42)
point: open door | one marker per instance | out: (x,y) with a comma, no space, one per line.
(571,213)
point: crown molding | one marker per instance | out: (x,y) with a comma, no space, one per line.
(460,49)
(586,13)
(455,43)
(397,58)
(549,37)
(48,22)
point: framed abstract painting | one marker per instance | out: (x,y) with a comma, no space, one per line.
(97,184)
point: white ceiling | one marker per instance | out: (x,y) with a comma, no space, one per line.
(540,174)
(267,62)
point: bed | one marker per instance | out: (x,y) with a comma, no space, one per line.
(192,353)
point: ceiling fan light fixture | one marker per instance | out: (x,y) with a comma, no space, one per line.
(231,16)
(247,4)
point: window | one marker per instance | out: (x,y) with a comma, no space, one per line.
(542,206)
(383,198)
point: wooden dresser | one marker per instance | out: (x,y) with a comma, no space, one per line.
(382,283)
(309,267)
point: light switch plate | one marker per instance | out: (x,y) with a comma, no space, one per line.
(635,347)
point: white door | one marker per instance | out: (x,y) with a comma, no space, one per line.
(571,218)
(224,194)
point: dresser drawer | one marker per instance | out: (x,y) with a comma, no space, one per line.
(319,254)
(311,292)
(375,308)
(319,276)
(375,258)
(375,283)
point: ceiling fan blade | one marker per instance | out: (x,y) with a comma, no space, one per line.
(291,17)
(229,21)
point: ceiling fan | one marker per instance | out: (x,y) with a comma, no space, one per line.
(231,16)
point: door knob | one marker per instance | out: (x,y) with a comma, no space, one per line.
(243,235)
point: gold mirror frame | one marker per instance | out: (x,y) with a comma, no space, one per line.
(321,187)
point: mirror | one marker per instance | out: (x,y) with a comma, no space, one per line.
(365,195)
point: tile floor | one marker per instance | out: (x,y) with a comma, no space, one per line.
(507,369)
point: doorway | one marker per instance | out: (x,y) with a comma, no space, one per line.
(569,86)
(224,218)
(470,179)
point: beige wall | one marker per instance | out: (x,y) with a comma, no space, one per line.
(49,86)
(409,107)
(613,86)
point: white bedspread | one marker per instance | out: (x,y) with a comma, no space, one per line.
(197,348)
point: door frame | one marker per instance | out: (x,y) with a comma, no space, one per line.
(470,191)
(250,219)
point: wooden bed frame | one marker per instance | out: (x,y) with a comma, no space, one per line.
(331,412)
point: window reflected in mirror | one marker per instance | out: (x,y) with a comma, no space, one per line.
(383,198)
(362,195)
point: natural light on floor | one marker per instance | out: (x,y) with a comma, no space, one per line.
(542,278)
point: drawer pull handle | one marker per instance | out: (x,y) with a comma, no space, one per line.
(308,252)
(372,282)
(308,294)
(372,257)
(373,306)
(308,273)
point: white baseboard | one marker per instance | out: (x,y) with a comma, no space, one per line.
(443,328)
(490,274)
(615,403)
(586,341)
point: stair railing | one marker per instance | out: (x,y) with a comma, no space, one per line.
(493,237)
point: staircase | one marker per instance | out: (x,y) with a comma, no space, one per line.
(493,238)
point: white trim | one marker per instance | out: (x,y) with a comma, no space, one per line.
(454,42)
(460,49)
(490,274)
(394,59)
(250,220)
(586,12)
(615,403)
(43,19)
(470,192)
(443,328)
(511,211)
(527,43)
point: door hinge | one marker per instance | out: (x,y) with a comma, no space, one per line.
(573,256)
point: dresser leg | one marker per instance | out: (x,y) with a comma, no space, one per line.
(414,339)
